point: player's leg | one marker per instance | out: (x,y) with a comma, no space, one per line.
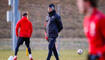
(55,52)
(27,43)
(19,42)
(50,47)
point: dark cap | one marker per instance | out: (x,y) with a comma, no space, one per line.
(52,6)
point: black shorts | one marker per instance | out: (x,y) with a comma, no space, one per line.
(21,40)
(93,57)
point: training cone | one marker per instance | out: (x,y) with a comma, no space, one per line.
(26,51)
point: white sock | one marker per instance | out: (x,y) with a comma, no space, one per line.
(30,56)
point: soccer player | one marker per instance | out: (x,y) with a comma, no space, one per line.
(53,28)
(45,23)
(94,28)
(23,32)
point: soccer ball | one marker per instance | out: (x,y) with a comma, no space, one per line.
(79,51)
(10,58)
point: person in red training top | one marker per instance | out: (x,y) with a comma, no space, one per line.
(94,28)
(45,33)
(23,32)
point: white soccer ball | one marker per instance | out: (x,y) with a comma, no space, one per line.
(10,58)
(79,51)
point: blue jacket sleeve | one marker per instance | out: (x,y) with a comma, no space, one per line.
(59,23)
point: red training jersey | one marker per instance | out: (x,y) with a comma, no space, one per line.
(94,28)
(24,28)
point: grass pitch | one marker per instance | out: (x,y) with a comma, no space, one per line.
(42,54)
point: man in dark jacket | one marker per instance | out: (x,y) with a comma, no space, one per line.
(53,27)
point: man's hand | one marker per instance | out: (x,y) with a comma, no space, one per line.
(46,38)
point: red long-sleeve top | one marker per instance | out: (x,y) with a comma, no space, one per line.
(94,28)
(24,28)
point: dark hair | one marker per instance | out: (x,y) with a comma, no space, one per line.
(25,14)
(94,3)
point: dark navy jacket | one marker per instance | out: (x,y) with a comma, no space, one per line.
(54,25)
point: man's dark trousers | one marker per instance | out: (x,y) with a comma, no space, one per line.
(20,42)
(52,48)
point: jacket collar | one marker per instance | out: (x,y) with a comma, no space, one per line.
(24,18)
(94,11)
(52,13)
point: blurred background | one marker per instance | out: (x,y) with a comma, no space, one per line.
(72,20)
(72,36)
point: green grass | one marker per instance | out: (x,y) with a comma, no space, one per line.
(42,54)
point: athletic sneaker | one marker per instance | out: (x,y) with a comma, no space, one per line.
(31,58)
(15,58)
